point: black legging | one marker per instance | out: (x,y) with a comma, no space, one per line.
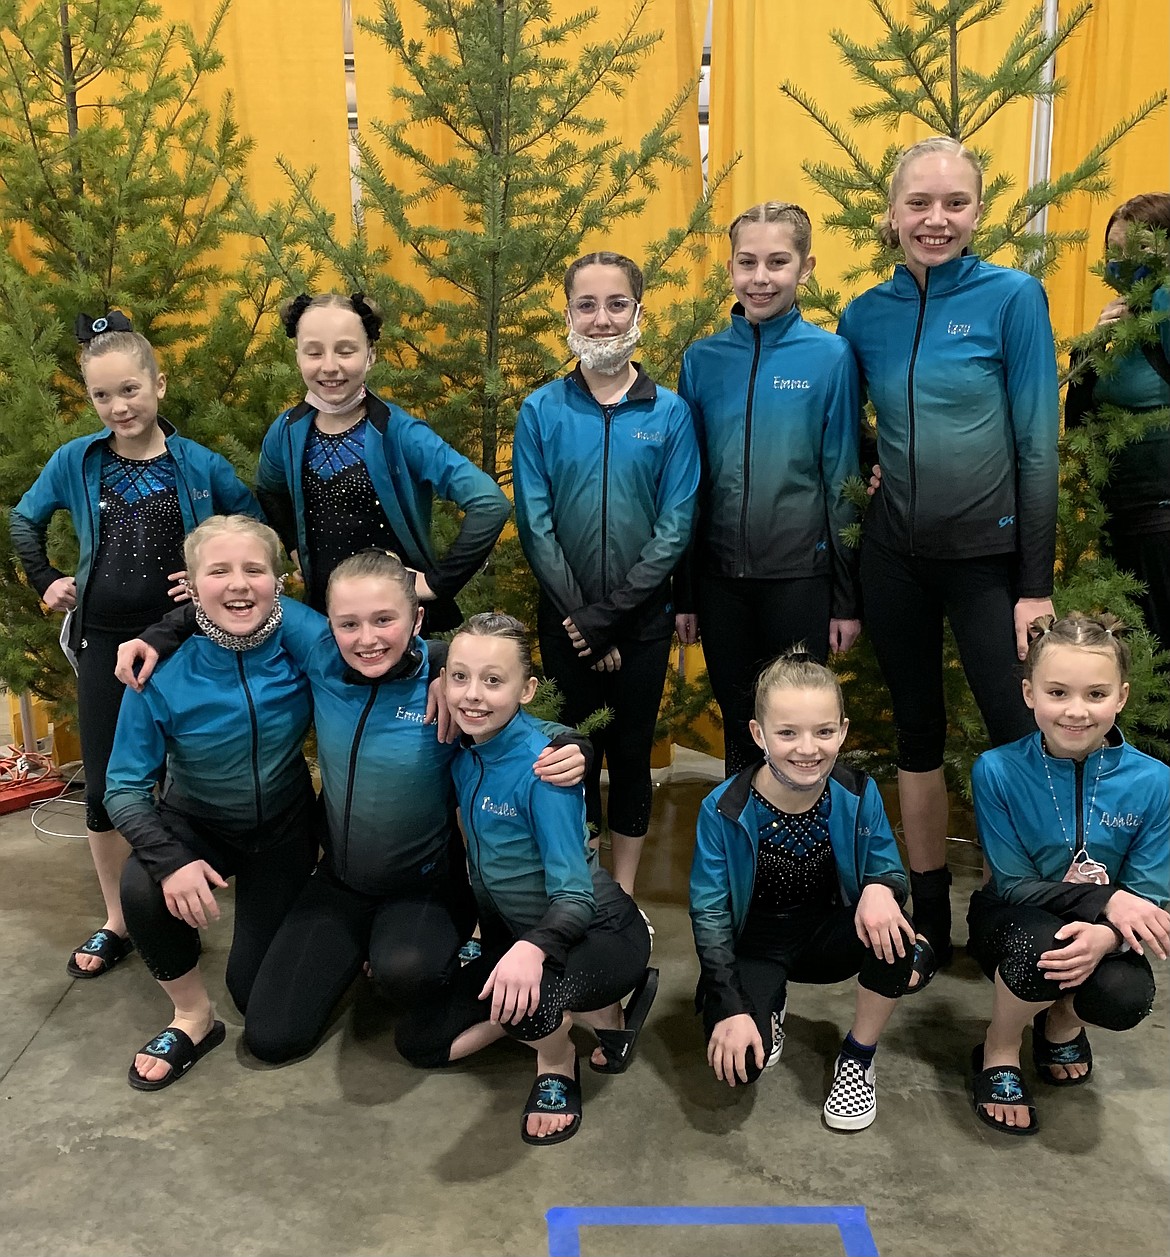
(744,625)
(1147,556)
(267,883)
(599,970)
(819,950)
(99,699)
(633,694)
(411,941)
(906,599)
(1011,938)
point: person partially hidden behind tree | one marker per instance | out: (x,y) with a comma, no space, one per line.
(1137,494)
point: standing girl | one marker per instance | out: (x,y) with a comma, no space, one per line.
(1075,824)
(225,717)
(605,467)
(775,402)
(957,357)
(796,876)
(344,469)
(1137,493)
(133,491)
(558,935)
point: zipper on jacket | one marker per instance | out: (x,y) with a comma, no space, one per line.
(607,415)
(353,757)
(741,541)
(910,408)
(255,742)
(473,833)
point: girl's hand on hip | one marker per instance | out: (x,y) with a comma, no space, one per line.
(61,594)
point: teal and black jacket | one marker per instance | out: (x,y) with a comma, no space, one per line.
(1035,812)
(228,727)
(723,870)
(962,374)
(527,843)
(72,481)
(408,463)
(1137,493)
(775,407)
(605,503)
(385,777)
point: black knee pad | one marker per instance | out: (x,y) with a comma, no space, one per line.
(920,750)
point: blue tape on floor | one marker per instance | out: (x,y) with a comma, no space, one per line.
(564,1224)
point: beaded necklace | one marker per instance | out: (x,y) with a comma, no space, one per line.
(1083,869)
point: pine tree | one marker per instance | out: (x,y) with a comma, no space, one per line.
(115,194)
(916,70)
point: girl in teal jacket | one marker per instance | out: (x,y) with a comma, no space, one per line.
(796,875)
(344,470)
(132,492)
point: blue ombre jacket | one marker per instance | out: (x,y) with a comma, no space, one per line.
(228,727)
(723,870)
(775,408)
(527,843)
(72,481)
(408,463)
(605,504)
(1115,803)
(962,374)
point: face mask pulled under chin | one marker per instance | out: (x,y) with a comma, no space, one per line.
(606,354)
(785,780)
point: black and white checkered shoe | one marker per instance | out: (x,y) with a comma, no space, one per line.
(852,1102)
(777,1037)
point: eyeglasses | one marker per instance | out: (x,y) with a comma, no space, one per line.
(615,307)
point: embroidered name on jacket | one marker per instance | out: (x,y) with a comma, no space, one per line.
(497,809)
(640,434)
(1120,820)
(779,382)
(404,713)
(958,329)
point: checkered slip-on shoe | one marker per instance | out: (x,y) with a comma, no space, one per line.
(777,1037)
(852,1102)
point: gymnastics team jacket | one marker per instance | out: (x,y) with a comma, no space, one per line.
(407,463)
(72,481)
(962,373)
(775,407)
(1035,812)
(385,776)
(723,870)
(527,844)
(605,504)
(1137,493)
(228,727)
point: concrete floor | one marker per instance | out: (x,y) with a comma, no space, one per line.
(351,1151)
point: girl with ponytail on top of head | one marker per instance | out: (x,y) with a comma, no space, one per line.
(344,469)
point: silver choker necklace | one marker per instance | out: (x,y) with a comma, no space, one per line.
(240,641)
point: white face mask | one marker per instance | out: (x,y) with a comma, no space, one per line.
(606,354)
(323,407)
(785,780)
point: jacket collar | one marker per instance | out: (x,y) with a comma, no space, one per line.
(498,748)
(772,331)
(643,388)
(735,798)
(377,412)
(1104,760)
(409,666)
(939,279)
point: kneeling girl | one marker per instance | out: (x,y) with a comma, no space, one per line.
(559,936)
(796,875)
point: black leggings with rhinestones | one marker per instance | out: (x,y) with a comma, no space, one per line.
(598,971)
(1011,938)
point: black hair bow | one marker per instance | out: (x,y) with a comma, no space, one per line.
(85,329)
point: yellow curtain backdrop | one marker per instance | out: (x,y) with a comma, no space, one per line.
(1119,58)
